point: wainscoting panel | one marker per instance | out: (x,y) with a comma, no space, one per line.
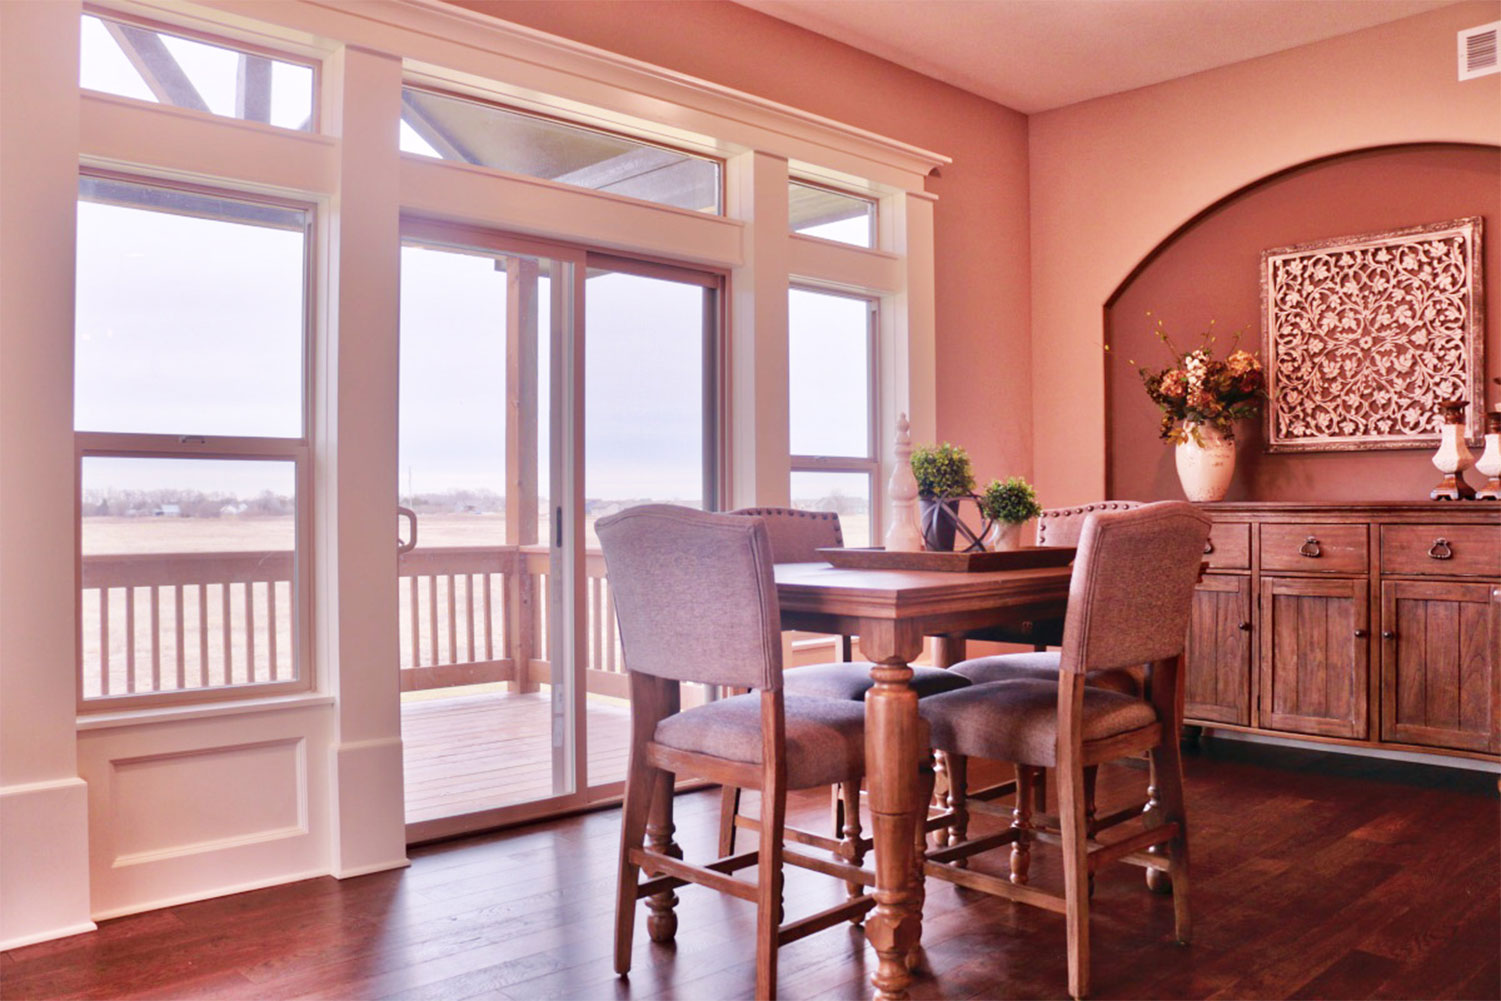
(187,809)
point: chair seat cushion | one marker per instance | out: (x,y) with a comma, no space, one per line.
(825,737)
(1044,667)
(852,680)
(1018,720)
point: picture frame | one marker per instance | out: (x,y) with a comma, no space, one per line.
(1363,336)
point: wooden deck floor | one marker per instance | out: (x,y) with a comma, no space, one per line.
(473,752)
(1315,876)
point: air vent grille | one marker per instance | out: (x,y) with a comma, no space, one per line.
(1477,51)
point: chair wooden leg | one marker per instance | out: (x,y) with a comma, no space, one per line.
(926,777)
(1168,771)
(729,809)
(769,888)
(1075,875)
(639,784)
(957,766)
(662,924)
(850,849)
(1021,822)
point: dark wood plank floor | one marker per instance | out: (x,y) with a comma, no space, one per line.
(1315,876)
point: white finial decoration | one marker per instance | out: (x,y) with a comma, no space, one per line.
(902,535)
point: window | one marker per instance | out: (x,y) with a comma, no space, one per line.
(452,128)
(831,402)
(189,371)
(831,215)
(131,60)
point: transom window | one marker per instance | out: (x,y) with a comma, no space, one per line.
(831,215)
(131,60)
(453,128)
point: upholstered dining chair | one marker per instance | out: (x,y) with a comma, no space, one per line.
(1058,526)
(696,601)
(1129,602)
(796,536)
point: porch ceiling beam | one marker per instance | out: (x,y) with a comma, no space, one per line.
(157,66)
(433,134)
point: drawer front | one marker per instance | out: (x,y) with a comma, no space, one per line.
(1442,549)
(1229,546)
(1314,548)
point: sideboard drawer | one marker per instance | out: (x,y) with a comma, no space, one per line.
(1442,549)
(1229,546)
(1314,548)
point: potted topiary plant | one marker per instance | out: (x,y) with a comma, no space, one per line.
(1008,505)
(943,477)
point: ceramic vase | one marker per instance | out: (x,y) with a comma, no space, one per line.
(1206,466)
(937,519)
(1489,462)
(1003,536)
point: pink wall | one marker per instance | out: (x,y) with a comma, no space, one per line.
(983,324)
(1112,178)
(1212,271)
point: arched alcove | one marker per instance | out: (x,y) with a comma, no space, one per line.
(1210,270)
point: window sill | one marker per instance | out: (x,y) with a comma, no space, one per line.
(173,714)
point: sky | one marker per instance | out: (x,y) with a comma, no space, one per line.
(189,325)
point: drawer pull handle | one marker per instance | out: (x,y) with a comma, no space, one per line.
(1208,546)
(1310,548)
(1245,627)
(1440,550)
(1361,634)
(1387,634)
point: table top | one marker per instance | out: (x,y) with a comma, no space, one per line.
(901,594)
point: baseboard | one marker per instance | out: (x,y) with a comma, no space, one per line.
(218,891)
(44,861)
(373,867)
(20,943)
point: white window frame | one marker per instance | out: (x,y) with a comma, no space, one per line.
(870,463)
(298,451)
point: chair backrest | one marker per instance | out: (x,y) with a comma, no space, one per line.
(694,595)
(797,536)
(1132,588)
(1060,526)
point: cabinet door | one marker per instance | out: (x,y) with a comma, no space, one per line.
(1439,671)
(1314,655)
(1218,686)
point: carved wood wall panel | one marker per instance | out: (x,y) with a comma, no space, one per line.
(1364,335)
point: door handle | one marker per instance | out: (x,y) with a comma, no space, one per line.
(1361,634)
(1387,634)
(1208,546)
(1310,548)
(411,517)
(1244,627)
(1440,550)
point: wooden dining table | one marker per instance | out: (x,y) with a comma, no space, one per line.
(892,611)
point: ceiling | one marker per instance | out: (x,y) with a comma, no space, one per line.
(1033,55)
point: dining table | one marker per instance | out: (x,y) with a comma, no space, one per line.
(892,611)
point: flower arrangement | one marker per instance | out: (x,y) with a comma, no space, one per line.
(1012,501)
(942,471)
(1200,389)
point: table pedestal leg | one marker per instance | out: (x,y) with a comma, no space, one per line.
(893,746)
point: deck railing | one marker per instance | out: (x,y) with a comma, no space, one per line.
(467,615)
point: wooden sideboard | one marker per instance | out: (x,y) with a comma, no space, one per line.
(1369,624)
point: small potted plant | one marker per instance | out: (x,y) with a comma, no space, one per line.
(943,477)
(1008,505)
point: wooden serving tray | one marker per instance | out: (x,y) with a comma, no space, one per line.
(1025,558)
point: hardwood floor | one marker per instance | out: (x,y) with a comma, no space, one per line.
(1315,876)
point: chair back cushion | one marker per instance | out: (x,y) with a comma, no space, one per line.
(797,536)
(1132,589)
(694,595)
(1061,526)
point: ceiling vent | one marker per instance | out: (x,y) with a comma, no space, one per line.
(1477,51)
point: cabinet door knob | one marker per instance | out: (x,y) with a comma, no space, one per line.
(1208,546)
(1310,548)
(1361,634)
(1387,634)
(1440,550)
(1245,627)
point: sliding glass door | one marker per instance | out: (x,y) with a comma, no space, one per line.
(540,389)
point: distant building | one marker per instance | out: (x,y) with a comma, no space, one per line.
(168,511)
